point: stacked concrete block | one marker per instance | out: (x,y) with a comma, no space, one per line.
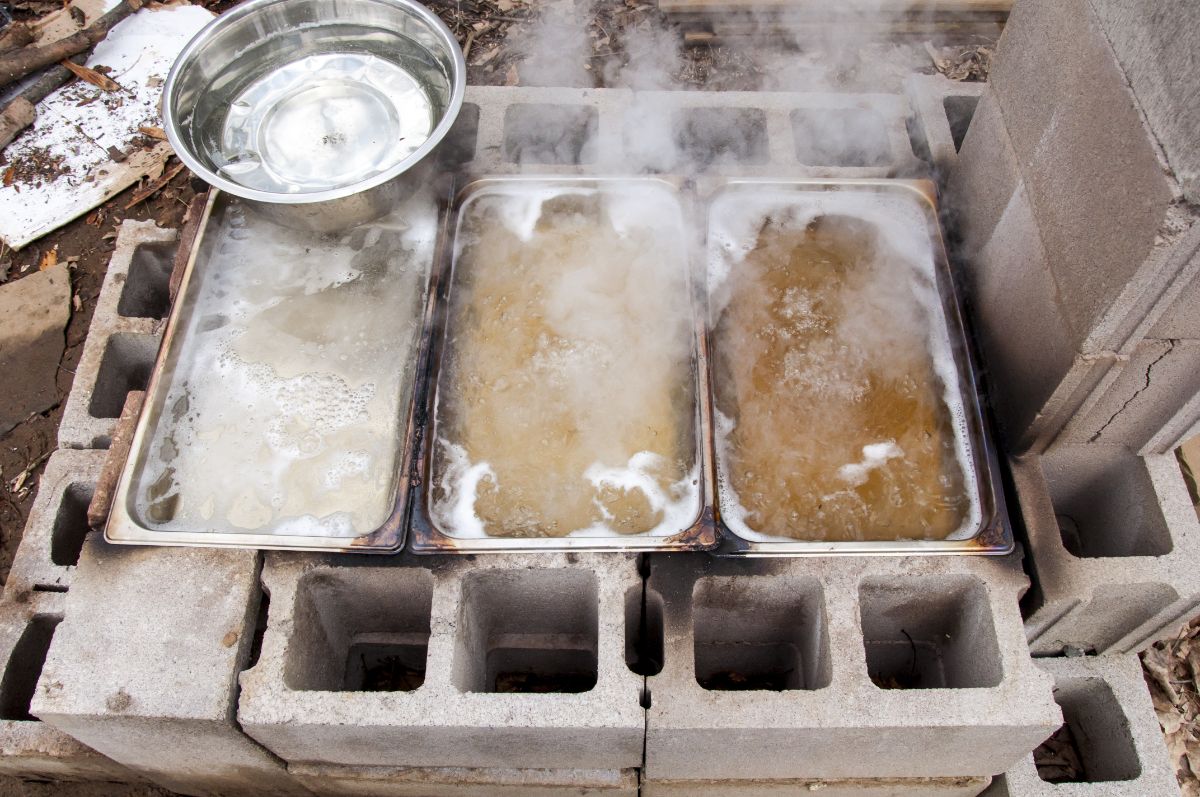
(1114,731)
(942,113)
(1069,155)
(558,131)
(1116,542)
(30,748)
(785,671)
(57,525)
(122,342)
(144,667)
(503,661)
(339,781)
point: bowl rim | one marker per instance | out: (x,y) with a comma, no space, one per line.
(201,39)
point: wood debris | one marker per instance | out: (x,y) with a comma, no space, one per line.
(154,186)
(100,81)
(1172,671)
(970,65)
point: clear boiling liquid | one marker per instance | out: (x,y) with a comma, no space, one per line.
(836,425)
(566,397)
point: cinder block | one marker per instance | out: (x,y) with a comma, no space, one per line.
(144,667)
(122,342)
(1113,542)
(1108,207)
(943,110)
(30,748)
(57,524)
(1114,730)
(336,781)
(746,134)
(916,787)
(831,669)
(497,661)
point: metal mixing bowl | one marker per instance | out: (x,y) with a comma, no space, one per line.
(317,112)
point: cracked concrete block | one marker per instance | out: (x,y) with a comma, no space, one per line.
(35,310)
(341,781)
(505,660)
(122,342)
(1115,731)
(943,111)
(1140,396)
(144,667)
(57,524)
(914,787)
(838,668)
(30,748)
(1113,540)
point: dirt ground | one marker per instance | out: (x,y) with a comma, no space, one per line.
(494,35)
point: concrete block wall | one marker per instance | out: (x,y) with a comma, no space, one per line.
(122,342)
(1108,712)
(30,748)
(942,110)
(1070,203)
(521,661)
(786,669)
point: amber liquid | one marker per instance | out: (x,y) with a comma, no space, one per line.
(567,353)
(840,429)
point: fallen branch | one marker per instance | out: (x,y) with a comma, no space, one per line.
(156,186)
(17,36)
(19,113)
(18,64)
(102,82)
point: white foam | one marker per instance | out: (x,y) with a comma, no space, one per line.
(875,455)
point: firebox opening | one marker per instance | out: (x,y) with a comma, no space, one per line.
(360,630)
(1093,745)
(550,134)
(527,631)
(840,137)
(125,366)
(760,633)
(929,633)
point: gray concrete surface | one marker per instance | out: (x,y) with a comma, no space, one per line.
(345,781)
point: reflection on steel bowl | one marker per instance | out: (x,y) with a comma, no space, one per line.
(319,113)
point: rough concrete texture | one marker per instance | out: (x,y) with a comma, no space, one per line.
(916,787)
(30,748)
(770,669)
(1113,542)
(473,625)
(35,310)
(144,667)
(338,781)
(1107,707)
(122,342)
(600,130)
(943,110)
(1109,211)
(1153,43)
(57,524)
(1141,395)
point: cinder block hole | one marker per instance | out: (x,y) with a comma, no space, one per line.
(360,630)
(147,288)
(960,109)
(917,140)
(929,633)
(70,525)
(1094,743)
(840,137)
(708,136)
(644,630)
(1105,502)
(550,134)
(760,633)
(125,365)
(260,629)
(458,147)
(24,667)
(527,631)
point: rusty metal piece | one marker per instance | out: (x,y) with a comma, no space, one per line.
(192,220)
(118,451)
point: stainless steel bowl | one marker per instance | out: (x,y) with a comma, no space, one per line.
(318,112)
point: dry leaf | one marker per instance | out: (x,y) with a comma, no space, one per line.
(153,132)
(49,259)
(505,5)
(512,77)
(10,175)
(91,76)
(77,303)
